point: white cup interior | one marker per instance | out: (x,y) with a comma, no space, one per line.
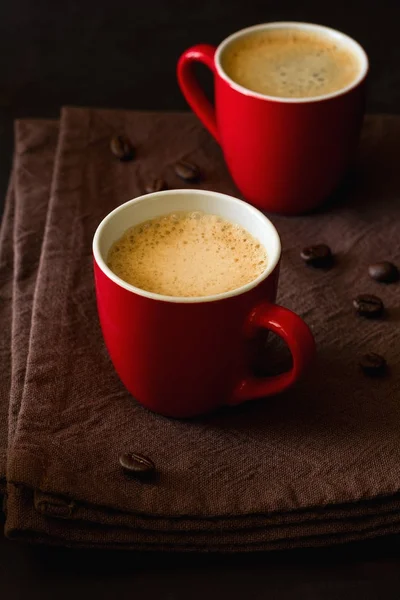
(154,205)
(320,30)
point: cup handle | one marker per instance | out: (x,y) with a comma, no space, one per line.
(294,331)
(193,93)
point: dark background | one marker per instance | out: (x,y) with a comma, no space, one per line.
(119,53)
(114,53)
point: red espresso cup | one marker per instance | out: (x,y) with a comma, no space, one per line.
(182,356)
(285,155)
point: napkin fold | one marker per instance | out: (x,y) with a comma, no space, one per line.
(317,465)
(6,296)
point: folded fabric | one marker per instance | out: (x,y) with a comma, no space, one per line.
(315,466)
(6,285)
(22,230)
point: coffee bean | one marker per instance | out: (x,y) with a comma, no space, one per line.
(384,271)
(368,305)
(122,148)
(187,171)
(373,364)
(318,256)
(136,464)
(156,185)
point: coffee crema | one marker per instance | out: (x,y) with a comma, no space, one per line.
(187,254)
(290,63)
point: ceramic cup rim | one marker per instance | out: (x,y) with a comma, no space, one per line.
(329,32)
(273,251)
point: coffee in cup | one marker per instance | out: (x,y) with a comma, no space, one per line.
(288,110)
(187,254)
(182,356)
(290,63)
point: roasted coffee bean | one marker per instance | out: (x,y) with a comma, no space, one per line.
(373,364)
(136,464)
(187,171)
(156,185)
(318,256)
(368,305)
(122,148)
(384,271)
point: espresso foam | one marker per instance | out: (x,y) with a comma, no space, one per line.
(187,254)
(290,63)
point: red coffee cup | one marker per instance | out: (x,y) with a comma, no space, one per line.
(285,155)
(185,356)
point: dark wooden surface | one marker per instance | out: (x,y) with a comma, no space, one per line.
(123,54)
(367,571)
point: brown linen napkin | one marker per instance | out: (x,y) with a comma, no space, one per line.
(22,231)
(6,287)
(317,465)
(34,163)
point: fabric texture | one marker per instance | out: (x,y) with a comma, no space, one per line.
(6,297)
(317,465)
